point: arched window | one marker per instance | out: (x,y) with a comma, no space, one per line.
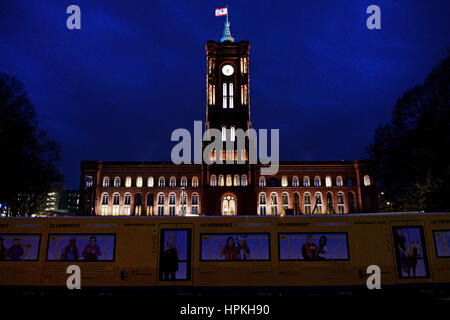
(244,180)
(366,180)
(262,182)
(228,205)
(284,181)
(213,180)
(127,204)
(127,182)
(339,181)
(284,202)
(160,204)
(307,202)
(262,204)
(194,182)
(330,209)
(172,203)
(106,182)
(138,204)
(236,180)
(150,182)
(88,181)
(296,204)
(340,201)
(306,181)
(295,181)
(161,182)
(350,181)
(116,204)
(184,182)
(139,182)
(229,181)
(328,181)
(105,203)
(317,181)
(318,205)
(117,182)
(183,204)
(274,203)
(149,204)
(173,182)
(221,180)
(351,202)
(194,203)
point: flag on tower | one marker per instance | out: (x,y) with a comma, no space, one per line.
(221,12)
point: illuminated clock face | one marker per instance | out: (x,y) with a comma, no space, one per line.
(227,69)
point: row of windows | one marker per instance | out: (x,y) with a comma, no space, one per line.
(125,208)
(306,181)
(228,180)
(309,207)
(227,95)
(150,182)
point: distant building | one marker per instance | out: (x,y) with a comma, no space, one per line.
(69,202)
(51,203)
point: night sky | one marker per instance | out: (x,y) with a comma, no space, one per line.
(117,88)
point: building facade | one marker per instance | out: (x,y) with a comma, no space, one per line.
(236,188)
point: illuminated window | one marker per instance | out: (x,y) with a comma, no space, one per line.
(295,181)
(296,204)
(194,182)
(172,202)
(284,202)
(328,181)
(284,181)
(194,203)
(262,204)
(307,202)
(161,182)
(160,204)
(88,180)
(236,180)
(366,180)
(232,133)
(139,182)
(212,94)
(221,181)
(173,182)
(106,182)
(231,96)
(126,204)
(213,181)
(149,204)
(228,205)
(105,202)
(128,182)
(150,182)
(117,182)
(262,182)
(306,181)
(329,199)
(183,204)
(227,95)
(229,181)
(339,181)
(116,204)
(224,95)
(317,181)
(318,206)
(184,182)
(224,134)
(244,94)
(274,203)
(138,204)
(340,198)
(244,180)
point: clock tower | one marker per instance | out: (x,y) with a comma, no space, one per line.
(229,187)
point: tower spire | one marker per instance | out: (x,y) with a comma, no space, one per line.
(226,31)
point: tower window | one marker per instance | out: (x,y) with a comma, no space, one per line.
(232,134)
(227,95)
(224,133)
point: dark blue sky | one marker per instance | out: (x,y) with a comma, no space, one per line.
(116,89)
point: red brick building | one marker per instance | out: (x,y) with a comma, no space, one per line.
(163,188)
